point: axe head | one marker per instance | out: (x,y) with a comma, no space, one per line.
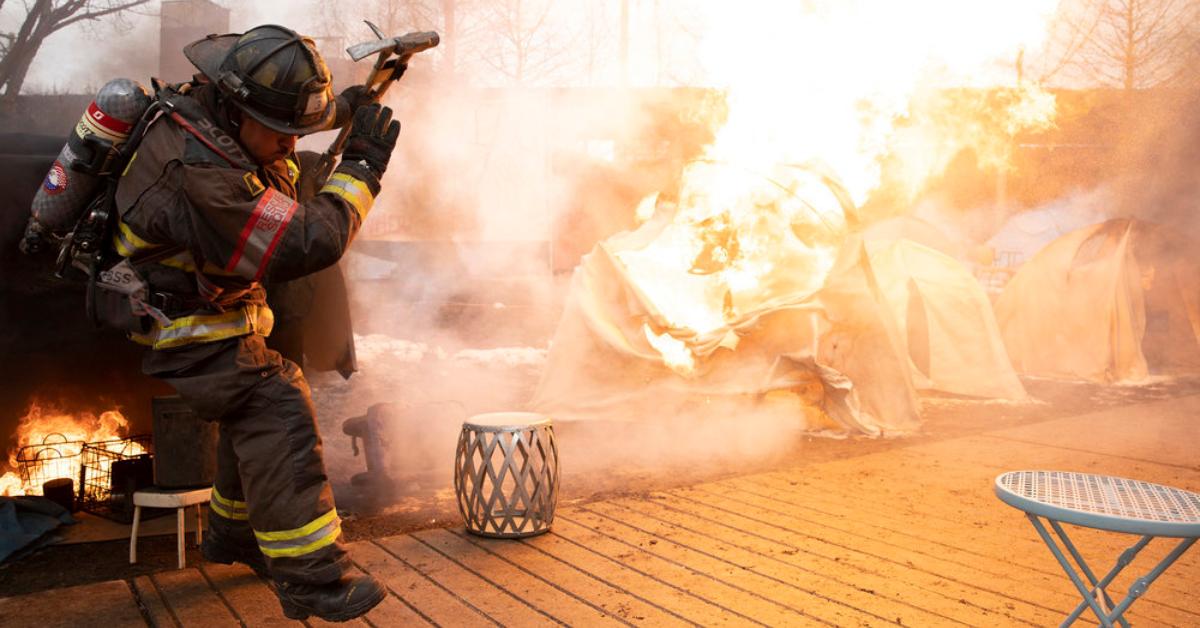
(404,45)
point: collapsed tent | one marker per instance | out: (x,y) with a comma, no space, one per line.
(617,355)
(946,320)
(1104,303)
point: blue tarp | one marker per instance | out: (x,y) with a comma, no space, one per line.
(24,522)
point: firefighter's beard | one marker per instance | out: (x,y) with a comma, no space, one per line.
(264,145)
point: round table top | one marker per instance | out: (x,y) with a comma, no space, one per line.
(1103,502)
(506,421)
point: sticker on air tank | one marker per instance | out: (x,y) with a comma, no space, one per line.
(56,179)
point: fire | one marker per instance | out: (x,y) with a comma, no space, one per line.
(62,436)
(816,92)
(675,352)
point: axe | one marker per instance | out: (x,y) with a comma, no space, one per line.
(390,64)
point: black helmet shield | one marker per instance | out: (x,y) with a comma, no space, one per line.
(272,74)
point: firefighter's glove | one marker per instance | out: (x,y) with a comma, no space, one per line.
(372,138)
(350,100)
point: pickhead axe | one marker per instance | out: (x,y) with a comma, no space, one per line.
(390,64)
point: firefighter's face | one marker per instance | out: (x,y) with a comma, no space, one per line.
(264,145)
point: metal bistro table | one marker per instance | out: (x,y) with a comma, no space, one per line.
(1105,503)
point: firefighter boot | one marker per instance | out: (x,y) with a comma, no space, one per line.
(341,600)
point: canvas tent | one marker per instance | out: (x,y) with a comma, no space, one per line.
(946,321)
(916,230)
(1025,233)
(1108,302)
(836,335)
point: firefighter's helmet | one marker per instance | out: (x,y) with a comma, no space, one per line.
(272,74)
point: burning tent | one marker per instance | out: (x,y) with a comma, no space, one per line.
(732,307)
(1098,302)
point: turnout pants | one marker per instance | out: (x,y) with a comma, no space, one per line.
(271,494)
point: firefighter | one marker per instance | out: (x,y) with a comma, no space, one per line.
(207,212)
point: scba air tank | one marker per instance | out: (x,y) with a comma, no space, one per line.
(73,178)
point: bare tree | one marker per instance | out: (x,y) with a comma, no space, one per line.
(43,18)
(528,47)
(1131,44)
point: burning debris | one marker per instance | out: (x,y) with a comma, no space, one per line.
(758,260)
(49,445)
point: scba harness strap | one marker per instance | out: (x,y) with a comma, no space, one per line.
(120,297)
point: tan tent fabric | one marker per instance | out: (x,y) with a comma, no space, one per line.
(602,366)
(1076,309)
(917,230)
(950,332)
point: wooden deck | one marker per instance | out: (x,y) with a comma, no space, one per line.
(910,536)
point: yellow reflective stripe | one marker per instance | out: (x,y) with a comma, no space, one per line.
(352,190)
(310,537)
(309,548)
(128,243)
(232,503)
(130,164)
(293,171)
(182,261)
(305,530)
(236,515)
(201,328)
(134,239)
(228,508)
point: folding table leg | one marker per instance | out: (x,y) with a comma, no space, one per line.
(1100,586)
(1114,612)
(1141,584)
(1088,598)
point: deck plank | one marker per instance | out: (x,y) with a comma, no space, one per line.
(563,546)
(767,551)
(192,601)
(681,567)
(532,555)
(428,599)
(391,611)
(113,601)
(151,600)
(493,601)
(539,592)
(250,597)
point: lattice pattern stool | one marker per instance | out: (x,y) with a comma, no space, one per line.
(506,474)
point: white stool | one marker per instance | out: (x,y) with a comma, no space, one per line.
(179,499)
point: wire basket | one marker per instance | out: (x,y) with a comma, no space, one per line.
(55,457)
(110,472)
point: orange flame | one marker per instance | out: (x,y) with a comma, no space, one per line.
(817,91)
(62,435)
